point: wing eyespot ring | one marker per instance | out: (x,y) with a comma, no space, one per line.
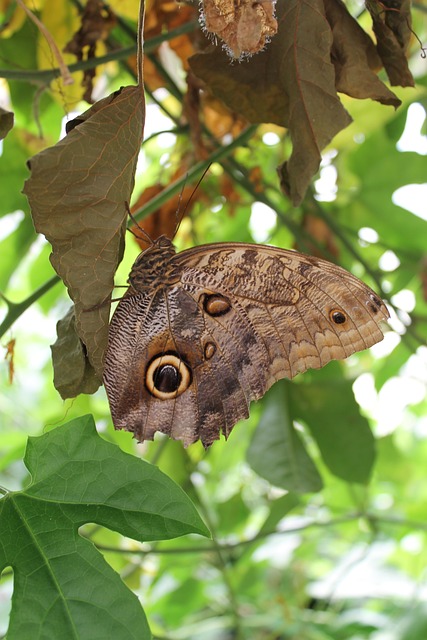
(167,376)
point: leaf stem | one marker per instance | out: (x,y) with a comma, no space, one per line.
(46,75)
(63,69)
(223,566)
(17,309)
(371,518)
(140,44)
(196,170)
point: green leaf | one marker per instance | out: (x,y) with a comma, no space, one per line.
(73,373)
(78,192)
(341,432)
(381,170)
(12,163)
(277,452)
(63,587)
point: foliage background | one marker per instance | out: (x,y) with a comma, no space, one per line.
(344,562)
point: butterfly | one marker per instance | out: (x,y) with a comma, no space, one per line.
(200,334)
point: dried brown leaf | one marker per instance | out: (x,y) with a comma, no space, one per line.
(97,21)
(9,356)
(291,83)
(354,56)
(392,27)
(6,122)
(78,192)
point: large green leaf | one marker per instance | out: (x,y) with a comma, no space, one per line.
(381,170)
(341,432)
(277,452)
(63,588)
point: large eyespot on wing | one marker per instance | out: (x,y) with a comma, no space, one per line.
(167,375)
(161,370)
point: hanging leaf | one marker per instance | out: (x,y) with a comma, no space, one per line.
(355,57)
(78,192)
(291,83)
(277,452)
(341,432)
(392,28)
(73,373)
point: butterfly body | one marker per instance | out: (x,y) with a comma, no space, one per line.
(201,333)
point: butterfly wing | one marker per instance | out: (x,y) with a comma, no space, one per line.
(239,318)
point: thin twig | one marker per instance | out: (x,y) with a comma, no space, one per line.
(65,72)
(140,44)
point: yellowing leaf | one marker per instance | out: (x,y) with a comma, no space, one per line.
(61,19)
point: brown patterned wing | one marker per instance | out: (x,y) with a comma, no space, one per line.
(238,318)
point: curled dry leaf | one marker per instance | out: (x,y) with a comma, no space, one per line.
(355,57)
(6,122)
(97,20)
(392,27)
(243,26)
(10,358)
(73,373)
(78,192)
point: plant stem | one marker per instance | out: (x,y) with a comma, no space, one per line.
(194,172)
(17,309)
(46,75)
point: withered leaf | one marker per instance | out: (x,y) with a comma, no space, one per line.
(243,26)
(78,192)
(97,20)
(355,57)
(73,373)
(6,122)
(392,27)
(291,83)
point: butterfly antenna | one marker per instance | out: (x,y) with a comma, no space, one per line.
(184,211)
(136,223)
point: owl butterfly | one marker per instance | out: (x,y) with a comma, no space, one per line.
(201,333)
